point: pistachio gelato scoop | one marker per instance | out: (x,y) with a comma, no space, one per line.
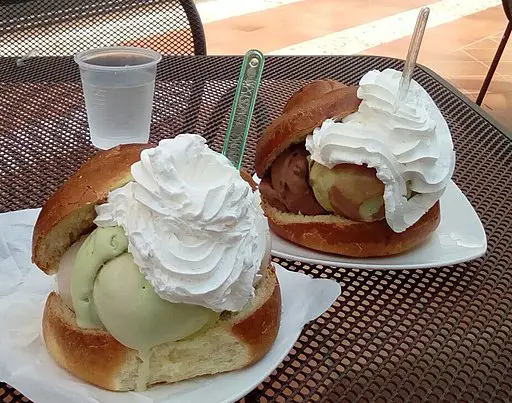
(135,315)
(108,291)
(349,190)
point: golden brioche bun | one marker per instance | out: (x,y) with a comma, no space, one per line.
(311,91)
(234,341)
(334,234)
(69,212)
(306,110)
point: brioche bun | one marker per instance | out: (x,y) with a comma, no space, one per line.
(306,110)
(69,212)
(234,341)
(338,235)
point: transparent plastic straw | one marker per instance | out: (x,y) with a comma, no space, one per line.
(412,56)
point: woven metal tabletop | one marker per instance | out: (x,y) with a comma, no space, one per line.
(415,335)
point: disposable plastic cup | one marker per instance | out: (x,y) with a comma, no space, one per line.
(118,85)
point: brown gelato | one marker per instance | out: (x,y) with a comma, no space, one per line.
(289,185)
(270,195)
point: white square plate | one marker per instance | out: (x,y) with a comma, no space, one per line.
(459,238)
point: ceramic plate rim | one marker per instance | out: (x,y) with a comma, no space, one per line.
(383,266)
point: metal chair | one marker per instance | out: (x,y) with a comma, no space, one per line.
(65,27)
(507,6)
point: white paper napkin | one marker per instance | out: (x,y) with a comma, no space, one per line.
(25,363)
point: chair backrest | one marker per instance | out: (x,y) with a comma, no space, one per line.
(65,27)
(507,5)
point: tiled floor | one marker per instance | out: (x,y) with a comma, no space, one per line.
(459,43)
(280,27)
(462,52)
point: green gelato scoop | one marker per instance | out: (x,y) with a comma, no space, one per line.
(100,246)
(349,190)
(108,290)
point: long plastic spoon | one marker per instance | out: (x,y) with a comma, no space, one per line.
(412,56)
(243,107)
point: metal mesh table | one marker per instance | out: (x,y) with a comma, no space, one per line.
(415,335)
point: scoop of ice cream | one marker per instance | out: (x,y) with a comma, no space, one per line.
(135,315)
(195,228)
(66,269)
(270,195)
(109,291)
(100,246)
(289,177)
(349,190)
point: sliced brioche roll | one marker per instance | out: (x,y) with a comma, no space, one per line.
(334,234)
(69,212)
(306,110)
(235,341)
(232,342)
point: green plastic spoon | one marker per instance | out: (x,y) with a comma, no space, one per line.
(243,107)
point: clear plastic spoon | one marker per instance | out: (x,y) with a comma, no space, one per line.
(412,56)
(243,107)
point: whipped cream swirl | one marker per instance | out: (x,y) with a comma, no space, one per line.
(195,228)
(411,149)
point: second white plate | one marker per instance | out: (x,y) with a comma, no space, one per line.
(460,237)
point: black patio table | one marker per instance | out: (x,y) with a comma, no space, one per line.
(441,334)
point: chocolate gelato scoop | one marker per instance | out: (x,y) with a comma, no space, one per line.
(289,178)
(270,195)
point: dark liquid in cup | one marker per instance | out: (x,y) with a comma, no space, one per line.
(118,59)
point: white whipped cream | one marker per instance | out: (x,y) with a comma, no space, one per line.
(195,228)
(413,145)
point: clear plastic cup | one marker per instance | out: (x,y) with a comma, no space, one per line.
(118,84)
